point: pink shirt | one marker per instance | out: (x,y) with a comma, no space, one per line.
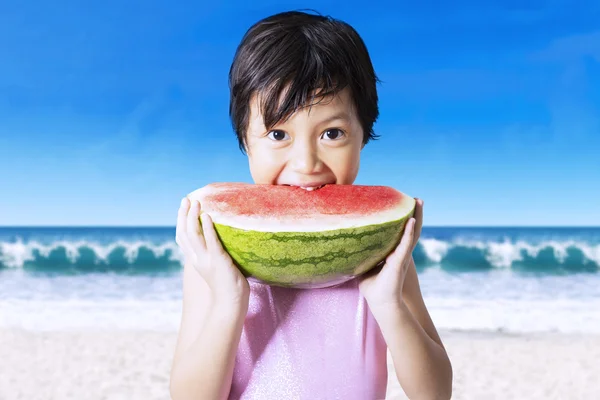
(309,344)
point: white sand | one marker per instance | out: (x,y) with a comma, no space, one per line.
(135,365)
(490,366)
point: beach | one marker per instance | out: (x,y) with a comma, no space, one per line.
(118,364)
(93,313)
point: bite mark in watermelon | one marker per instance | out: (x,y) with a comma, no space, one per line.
(288,236)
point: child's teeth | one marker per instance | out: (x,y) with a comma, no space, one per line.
(311,188)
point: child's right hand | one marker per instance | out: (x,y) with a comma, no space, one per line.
(202,248)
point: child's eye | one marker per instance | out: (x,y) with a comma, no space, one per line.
(277,135)
(333,134)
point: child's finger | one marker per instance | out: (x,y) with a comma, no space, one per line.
(181,228)
(194,230)
(398,256)
(213,244)
(418,220)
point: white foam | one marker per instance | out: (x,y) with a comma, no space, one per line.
(497,300)
(95,301)
(503,301)
(88,314)
(565,316)
(434,249)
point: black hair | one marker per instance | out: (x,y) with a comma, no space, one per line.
(295,53)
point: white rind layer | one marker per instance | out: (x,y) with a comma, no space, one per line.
(316,223)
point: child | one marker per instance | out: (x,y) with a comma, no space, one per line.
(303,105)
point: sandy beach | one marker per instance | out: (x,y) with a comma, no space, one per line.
(135,365)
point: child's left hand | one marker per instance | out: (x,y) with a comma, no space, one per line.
(382,287)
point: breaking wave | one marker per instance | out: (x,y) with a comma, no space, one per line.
(88,256)
(567,255)
(143,256)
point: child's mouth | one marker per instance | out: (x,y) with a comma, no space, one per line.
(310,187)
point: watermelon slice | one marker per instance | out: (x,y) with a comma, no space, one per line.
(288,236)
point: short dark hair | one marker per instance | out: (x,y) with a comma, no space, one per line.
(300,53)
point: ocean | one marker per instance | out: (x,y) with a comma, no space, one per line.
(482,279)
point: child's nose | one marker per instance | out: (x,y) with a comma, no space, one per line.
(304,159)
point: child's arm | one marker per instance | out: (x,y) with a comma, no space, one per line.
(215,303)
(394,297)
(420,359)
(207,344)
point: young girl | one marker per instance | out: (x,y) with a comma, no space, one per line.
(303,105)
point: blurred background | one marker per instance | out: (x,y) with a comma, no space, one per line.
(111,112)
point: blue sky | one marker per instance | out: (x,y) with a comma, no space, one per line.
(110,112)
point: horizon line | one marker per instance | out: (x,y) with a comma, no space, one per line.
(174,226)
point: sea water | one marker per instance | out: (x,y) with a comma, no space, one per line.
(485,279)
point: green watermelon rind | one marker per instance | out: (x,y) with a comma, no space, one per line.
(310,259)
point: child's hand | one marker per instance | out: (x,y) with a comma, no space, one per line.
(202,248)
(382,286)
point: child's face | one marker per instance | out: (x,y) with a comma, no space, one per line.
(309,149)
